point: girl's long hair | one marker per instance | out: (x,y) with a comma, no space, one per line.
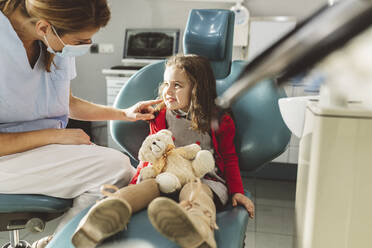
(203,83)
(66,16)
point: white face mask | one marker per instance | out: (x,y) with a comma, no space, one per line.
(68,50)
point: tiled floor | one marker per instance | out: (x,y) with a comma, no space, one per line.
(273,224)
(271,228)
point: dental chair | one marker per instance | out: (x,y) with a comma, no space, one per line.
(28,211)
(261,134)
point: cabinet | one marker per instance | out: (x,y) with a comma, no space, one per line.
(333,190)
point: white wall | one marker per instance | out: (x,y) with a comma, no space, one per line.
(90,83)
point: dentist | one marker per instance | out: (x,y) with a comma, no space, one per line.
(38,42)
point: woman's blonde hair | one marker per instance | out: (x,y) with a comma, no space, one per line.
(66,16)
(203,83)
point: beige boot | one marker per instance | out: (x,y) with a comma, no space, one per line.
(190,223)
(112,214)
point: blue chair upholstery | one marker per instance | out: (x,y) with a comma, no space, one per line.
(210,33)
(261,132)
(16,211)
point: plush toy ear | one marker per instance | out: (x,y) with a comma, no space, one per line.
(165,131)
(166,136)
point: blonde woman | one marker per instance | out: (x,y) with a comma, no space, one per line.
(39,40)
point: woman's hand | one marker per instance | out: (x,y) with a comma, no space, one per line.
(241,199)
(72,137)
(141,111)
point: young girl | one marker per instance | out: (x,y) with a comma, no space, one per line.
(189,111)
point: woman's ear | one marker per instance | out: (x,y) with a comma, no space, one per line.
(41,27)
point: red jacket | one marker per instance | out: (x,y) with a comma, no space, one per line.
(224,147)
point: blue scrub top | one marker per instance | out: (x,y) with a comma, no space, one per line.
(31,98)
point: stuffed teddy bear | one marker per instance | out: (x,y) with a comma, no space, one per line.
(173,167)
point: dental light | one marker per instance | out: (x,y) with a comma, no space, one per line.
(325,31)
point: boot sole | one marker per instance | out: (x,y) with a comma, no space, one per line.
(173,222)
(102,221)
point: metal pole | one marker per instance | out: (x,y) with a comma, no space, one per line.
(14,238)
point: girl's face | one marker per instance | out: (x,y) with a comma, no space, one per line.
(177,89)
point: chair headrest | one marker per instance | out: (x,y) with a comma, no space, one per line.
(209,33)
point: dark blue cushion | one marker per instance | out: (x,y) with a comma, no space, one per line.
(22,203)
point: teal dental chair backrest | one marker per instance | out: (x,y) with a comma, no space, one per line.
(261,134)
(210,33)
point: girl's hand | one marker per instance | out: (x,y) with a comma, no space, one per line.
(241,199)
(72,137)
(141,111)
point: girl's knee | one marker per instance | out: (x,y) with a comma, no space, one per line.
(201,187)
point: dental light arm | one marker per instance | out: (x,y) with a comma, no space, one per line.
(323,32)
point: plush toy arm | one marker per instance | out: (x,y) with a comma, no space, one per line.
(188,152)
(168,182)
(147,172)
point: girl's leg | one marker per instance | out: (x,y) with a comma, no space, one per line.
(139,195)
(112,214)
(190,223)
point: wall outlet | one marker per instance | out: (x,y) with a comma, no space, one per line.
(105,48)
(94,48)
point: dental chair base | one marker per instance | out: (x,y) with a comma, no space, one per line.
(28,212)
(17,244)
(333,195)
